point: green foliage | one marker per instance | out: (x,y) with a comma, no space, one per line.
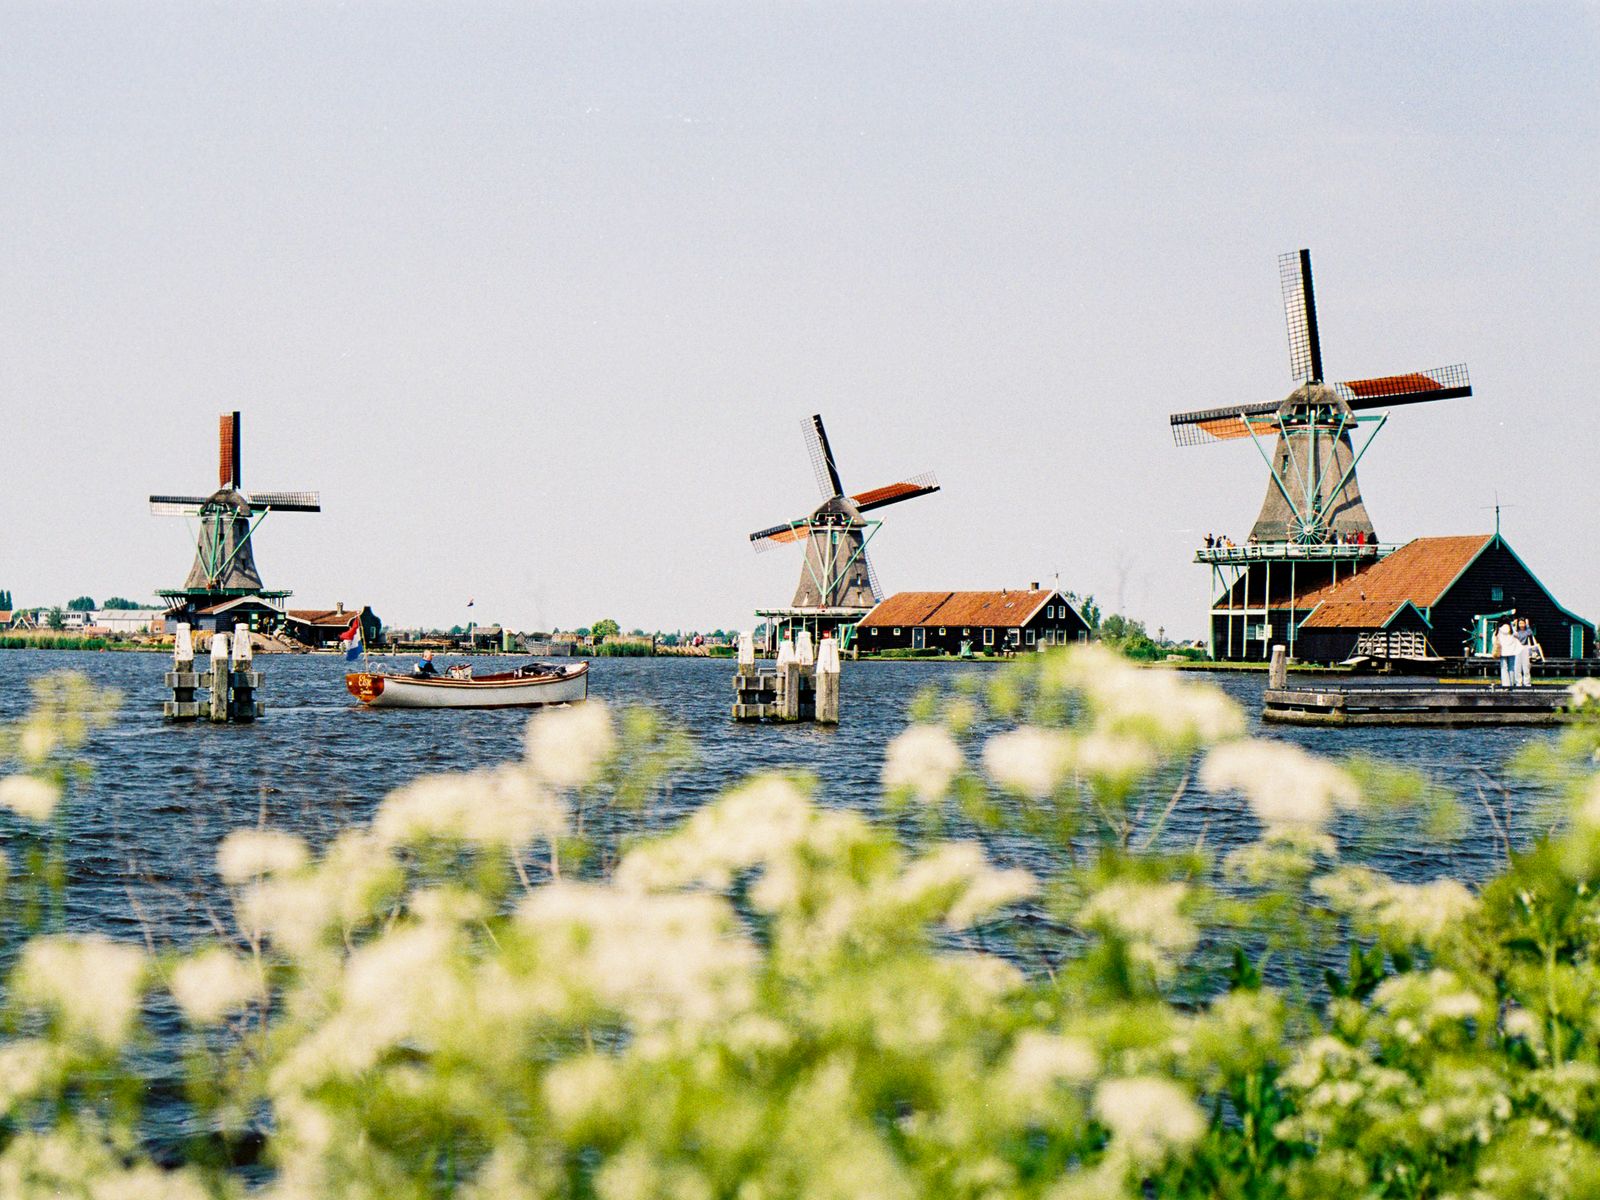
(1087,608)
(605,627)
(494,990)
(122,604)
(81,604)
(56,619)
(5,599)
(1129,638)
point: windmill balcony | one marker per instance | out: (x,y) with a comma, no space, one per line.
(1293,552)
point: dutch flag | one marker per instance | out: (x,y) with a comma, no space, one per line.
(350,639)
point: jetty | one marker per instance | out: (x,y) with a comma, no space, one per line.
(232,684)
(1379,704)
(802,686)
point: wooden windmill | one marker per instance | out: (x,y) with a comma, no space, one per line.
(836,577)
(1312,496)
(224,562)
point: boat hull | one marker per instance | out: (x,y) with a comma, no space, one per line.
(409,691)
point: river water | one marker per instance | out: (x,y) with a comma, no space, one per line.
(161,796)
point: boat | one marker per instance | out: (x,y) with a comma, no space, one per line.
(526,687)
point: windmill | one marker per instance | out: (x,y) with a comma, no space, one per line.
(224,563)
(1312,496)
(836,580)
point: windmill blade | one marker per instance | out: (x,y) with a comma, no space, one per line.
(1300,313)
(1415,387)
(176,506)
(872,577)
(778,535)
(1207,425)
(229,448)
(894,493)
(822,464)
(287,501)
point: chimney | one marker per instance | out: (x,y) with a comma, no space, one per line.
(1034,586)
(338,606)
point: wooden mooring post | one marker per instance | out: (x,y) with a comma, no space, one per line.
(1278,671)
(802,686)
(232,684)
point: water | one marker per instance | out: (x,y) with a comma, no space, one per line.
(162,795)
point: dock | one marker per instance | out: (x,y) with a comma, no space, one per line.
(1447,704)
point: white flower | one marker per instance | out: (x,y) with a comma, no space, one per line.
(924,760)
(1434,997)
(92,983)
(1110,756)
(37,742)
(1028,759)
(566,745)
(214,983)
(1584,691)
(1288,789)
(247,854)
(1148,702)
(1412,913)
(757,824)
(503,807)
(1142,912)
(29,796)
(1148,1115)
(956,877)
(27,1067)
(1040,1060)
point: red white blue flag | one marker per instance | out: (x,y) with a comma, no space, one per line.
(350,639)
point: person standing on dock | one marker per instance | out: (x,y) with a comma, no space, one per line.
(1505,646)
(1524,635)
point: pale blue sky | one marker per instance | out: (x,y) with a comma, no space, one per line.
(538,296)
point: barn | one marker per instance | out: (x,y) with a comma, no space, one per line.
(1450,591)
(999,622)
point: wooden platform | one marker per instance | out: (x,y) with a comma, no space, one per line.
(1442,705)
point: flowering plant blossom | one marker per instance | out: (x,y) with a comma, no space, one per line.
(777,998)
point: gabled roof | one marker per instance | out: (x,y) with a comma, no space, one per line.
(960,608)
(236,602)
(323,616)
(1421,571)
(1355,614)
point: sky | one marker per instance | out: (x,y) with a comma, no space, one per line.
(538,296)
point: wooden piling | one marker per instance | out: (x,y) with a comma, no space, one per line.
(827,700)
(242,681)
(219,677)
(1278,672)
(182,679)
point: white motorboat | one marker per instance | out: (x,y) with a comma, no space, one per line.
(525,687)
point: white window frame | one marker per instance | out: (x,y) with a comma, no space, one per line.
(1031,638)
(988,637)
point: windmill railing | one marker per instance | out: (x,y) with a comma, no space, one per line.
(1294,552)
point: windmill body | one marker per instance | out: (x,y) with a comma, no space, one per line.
(837,584)
(224,573)
(1313,528)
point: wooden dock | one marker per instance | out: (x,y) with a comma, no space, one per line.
(1441,705)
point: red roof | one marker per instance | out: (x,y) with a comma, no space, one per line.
(323,616)
(1421,572)
(959,608)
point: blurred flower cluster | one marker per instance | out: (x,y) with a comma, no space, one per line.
(780,998)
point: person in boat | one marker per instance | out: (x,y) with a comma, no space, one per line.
(425,668)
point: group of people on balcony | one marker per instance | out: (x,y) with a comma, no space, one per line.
(1360,537)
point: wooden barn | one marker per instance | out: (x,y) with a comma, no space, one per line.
(982,622)
(1452,592)
(322,627)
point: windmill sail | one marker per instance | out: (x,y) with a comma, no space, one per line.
(1312,495)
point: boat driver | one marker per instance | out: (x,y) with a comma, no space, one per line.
(426,668)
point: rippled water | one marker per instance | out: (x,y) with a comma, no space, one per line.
(162,795)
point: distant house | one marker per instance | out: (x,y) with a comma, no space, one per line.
(129,620)
(1454,591)
(325,626)
(985,622)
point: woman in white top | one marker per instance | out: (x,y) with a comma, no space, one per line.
(1506,646)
